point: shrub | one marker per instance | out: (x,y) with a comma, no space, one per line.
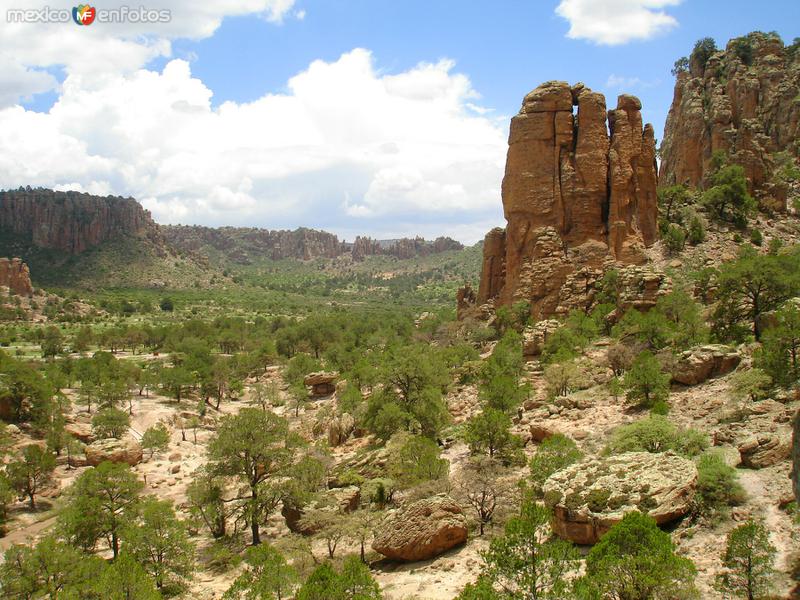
(111,423)
(748,558)
(656,434)
(674,239)
(645,383)
(756,238)
(697,230)
(554,453)
(718,486)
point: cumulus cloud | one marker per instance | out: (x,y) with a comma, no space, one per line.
(614,22)
(346,147)
(629,83)
(103,48)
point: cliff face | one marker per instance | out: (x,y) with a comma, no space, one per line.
(242,245)
(743,101)
(70,222)
(575,197)
(403,248)
(14,275)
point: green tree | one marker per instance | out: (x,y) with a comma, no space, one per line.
(158,541)
(415,459)
(554,454)
(748,559)
(155,439)
(750,286)
(644,381)
(267,576)
(322,584)
(50,569)
(123,579)
(31,471)
(482,488)
(489,432)
(111,423)
(101,502)
(525,562)
(727,198)
(703,50)
(357,582)
(255,447)
(750,384)
(637,560)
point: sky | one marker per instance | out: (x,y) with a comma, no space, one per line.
(382,118)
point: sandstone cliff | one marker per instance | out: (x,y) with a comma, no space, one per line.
(70,222)
(579,194)
(14,275)
(242,245)
(743,101)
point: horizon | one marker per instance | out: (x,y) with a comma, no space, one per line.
(282,114)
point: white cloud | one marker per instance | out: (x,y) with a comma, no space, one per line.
(103,48)
(629,83)
(347,147)
(614,22)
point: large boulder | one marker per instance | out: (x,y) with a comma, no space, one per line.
(125,450)
(15,275)
(759,452)
(80,431)
(704,362)
(422,530)
(322,383)
(590,497)
(535,337)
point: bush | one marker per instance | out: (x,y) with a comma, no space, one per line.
(727,198)
(167,304)
(756,238)
(703,50)
(674,239)
(656,434)
(554,453)
(645,383)
(697,230)
(718,486)
(111,423)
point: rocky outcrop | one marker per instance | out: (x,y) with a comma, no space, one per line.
(403,248)
(743,101)
(343,500)
(577,199)
(322,383)
(422,530)
(71,222)
(535,336)
(704,362)
(14,275)
(125,450)
(243,245)
(759,452)
(590,497)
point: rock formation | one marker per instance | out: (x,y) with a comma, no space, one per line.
(243,245)
(14,275)
(743,101)
(422,530)
(704,362)
(577,199)
(759,452)
(125,450)
(70,222)
(590,497)
(321,383)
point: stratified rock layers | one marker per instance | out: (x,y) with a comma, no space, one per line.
(579,193)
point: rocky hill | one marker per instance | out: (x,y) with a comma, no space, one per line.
(742,100)
(71,222)
(244,245)
(576,199)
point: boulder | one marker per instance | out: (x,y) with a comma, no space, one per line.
(340,428)
(590,497)
(125,450)
(422,530)
(765,450)
(704,362)
(15,275)
(321,383)
(540,432)
(535,337)
(80,431)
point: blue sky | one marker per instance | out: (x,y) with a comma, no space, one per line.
(381,118)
